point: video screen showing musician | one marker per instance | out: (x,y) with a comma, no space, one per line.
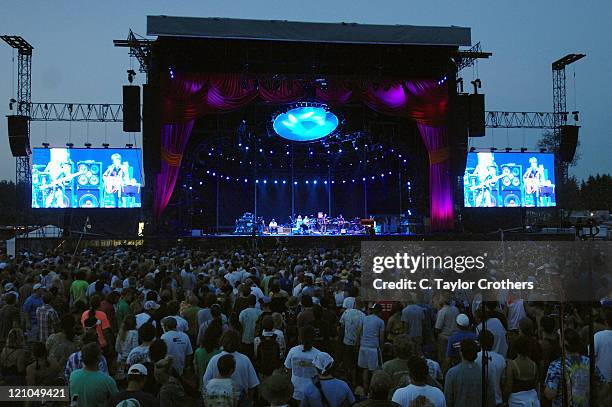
(486,173)
(533,179)
(115,176)
(59,171)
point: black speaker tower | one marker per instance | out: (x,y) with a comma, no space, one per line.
(19,135)
(151,132)
(131,108)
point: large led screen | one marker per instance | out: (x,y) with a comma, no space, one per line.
(86,178)
(502,180)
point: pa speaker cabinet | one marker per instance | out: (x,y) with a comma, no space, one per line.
(131,108)
(19,135)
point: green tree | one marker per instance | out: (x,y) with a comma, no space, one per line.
(7,202)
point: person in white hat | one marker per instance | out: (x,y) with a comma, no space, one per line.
(147,315)
(137,376)
(454,341)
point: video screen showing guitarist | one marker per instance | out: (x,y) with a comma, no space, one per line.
(114,178)
(486,173)
(533,178)
(59,171)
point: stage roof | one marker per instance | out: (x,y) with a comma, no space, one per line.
(276,30)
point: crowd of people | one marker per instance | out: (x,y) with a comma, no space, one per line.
(284,326)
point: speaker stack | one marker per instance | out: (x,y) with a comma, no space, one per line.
(511,193)
(88,184)
(19,135)
(131,108)
(151,133)
(568,142)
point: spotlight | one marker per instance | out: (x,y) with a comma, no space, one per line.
(69,145)
(523,149)
(246,180)
(129,145)
(45,145)
(105,145)
(542,150)
(325,182)
(131,73)
(363,179)
(294,182)
(261,150)
(284,182)
(87,145)
(472,149)
(340,151)
(508,149)
(11,103)
(493,149)
(265,181)
(276,181)
(306,181)
(257,181)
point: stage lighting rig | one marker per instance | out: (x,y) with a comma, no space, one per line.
(130,74)
(129,145)
(87,145)
(46,145)
(105,145)
(523,149)
(493,149)
(69,145)
(11,103)
(477,83)
(508,149)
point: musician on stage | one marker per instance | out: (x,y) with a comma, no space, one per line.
(533,179)
(486,175)
(273,227)
(59,169)
(114,178)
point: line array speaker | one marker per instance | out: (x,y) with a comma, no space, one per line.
(131,108)
(19,135)
(151,132)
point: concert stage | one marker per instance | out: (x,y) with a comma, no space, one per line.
(265,124)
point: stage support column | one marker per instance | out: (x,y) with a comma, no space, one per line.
(399,190)
(292,185)
(217,208)
(329,191)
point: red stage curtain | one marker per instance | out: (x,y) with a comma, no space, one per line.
(188,97)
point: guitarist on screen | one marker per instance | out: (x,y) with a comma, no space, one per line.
(486,174)
(59,170)
(114,177)
(533,179)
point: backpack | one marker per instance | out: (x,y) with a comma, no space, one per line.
(268,355)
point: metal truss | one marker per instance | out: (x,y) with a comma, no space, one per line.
(466,58)
(76,112)
(140,48)
(519,120)
(559,90)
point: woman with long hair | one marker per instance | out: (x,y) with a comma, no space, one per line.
(13,358)
(127,339)
(44,371)
(208,347)
(521,377)
(62,344)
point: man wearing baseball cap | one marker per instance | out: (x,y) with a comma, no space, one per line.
(454,341)
(137,376)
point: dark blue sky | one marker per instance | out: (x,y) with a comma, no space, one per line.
(75,61)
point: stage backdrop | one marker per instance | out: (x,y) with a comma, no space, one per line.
(187,97)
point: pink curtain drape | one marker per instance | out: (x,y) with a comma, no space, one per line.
(188,97)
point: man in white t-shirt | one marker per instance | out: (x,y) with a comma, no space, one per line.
(244,376)
(603,350)
(496,363)
(351,321)
(418,391)
(371,338)
(500,342)
(299,362)
(147,315)
(178,343)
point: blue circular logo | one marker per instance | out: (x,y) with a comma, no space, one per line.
(305,123)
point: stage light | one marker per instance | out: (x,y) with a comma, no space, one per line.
(305,122)
(131,73)
(246,148)
(542,150)
(261,150)
(363,179)
(472,149)
(246,180)
(87,145)
(45,145)
(325,182)
(11,103)
(493,149)
(382,175)
(171,71)
(284,182)
(295,183)
(271,152)
(340,151)
(405,161)
(257,181)
(128,145)
(207,171)
(353,180)
(306,181)
(276,181)
(508,149)
(190,188)
(214,174)
(227,178)
(389,172)
(314,182)
(373,177)
(344,181)
(287,152)
(201,182)
(265,181)
(523,149)
(105,145)
(69,145)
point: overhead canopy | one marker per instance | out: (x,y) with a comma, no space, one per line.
(275,30)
